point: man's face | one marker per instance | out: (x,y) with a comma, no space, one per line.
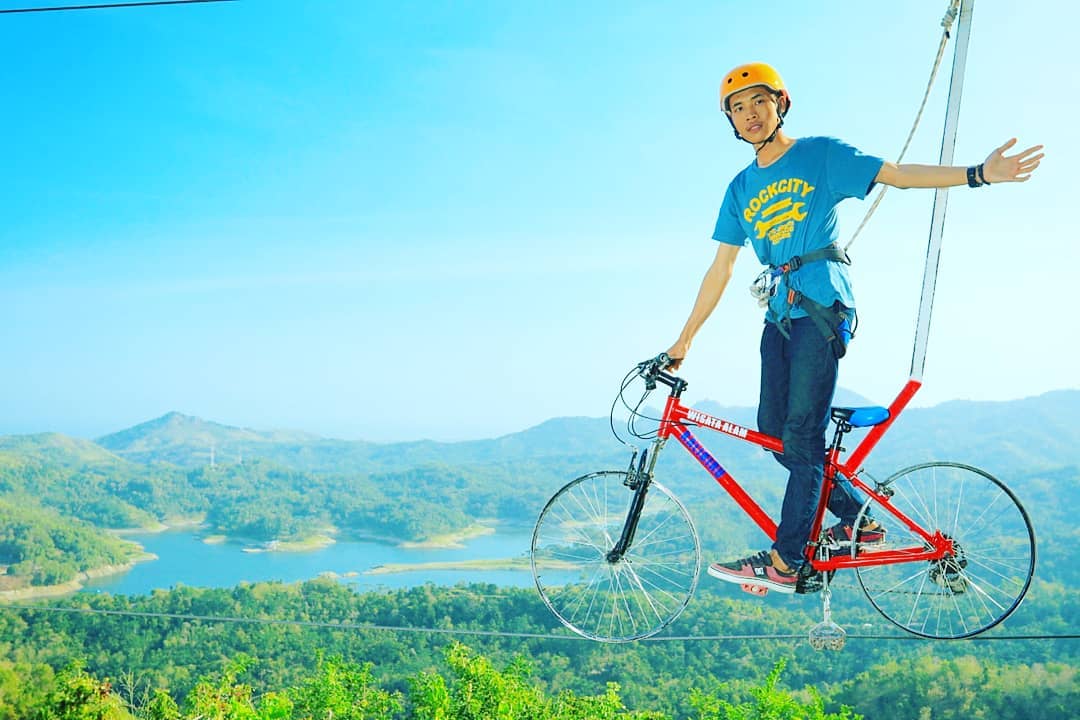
(754,113)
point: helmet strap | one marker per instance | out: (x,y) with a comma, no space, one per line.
(772,136)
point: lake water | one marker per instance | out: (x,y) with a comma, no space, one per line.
(184,559)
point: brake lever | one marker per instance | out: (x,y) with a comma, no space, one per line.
(649,369)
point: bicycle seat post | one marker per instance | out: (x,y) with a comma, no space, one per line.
(843,427)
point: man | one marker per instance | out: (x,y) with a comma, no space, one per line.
(784,202)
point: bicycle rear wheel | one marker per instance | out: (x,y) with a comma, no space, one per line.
(978,585)
(632,597)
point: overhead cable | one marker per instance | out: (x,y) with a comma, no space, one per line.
(107,6)
(326,625)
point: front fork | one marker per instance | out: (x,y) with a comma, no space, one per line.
(639,476)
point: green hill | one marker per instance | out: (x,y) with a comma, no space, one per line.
(83,480)
(39,547)
(291,485)
(1033,433)
(57,450)
(190,442)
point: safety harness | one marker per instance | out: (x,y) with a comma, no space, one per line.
(835,322)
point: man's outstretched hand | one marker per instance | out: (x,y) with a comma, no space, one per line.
(1000,167)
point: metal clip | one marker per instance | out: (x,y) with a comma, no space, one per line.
(763,288)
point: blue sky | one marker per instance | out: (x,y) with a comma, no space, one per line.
(388,221)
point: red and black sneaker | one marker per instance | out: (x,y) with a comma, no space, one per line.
(756,571)
(870,533)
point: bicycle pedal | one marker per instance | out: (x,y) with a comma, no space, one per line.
(755,589)
(827,635)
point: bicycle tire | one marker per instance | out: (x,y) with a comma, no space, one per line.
(970,590)
(633,597)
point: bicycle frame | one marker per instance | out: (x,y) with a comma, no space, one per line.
(678,419)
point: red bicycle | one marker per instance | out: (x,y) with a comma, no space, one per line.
(616,556)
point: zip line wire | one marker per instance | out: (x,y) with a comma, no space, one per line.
(326,625)
(107,6)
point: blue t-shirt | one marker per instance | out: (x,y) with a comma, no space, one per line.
(789,209)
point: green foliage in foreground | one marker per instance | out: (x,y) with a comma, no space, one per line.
(471,689)
(966,687)
(769,703)
(171,642)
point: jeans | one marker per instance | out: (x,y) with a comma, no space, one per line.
(798,378)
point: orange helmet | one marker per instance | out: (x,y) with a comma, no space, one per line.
(750,75)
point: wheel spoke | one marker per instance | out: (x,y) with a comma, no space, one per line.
(638,594)
(983,578)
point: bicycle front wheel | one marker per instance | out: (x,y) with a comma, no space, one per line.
(986,576)
(623,599)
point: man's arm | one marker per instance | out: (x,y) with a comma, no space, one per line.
(712,287)
(997,168)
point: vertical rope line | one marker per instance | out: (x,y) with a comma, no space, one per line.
(946,22)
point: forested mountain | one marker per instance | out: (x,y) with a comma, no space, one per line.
(1018,441)
(40,546)
(188,442)
(82,480)
(1028,434)
(288,485)
(58,494)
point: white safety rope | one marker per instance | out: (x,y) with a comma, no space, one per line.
(946,22)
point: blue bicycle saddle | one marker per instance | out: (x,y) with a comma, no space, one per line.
(861,416)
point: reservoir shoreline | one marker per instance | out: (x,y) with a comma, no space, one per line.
(190,557)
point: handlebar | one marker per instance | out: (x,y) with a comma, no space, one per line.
(653,369)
